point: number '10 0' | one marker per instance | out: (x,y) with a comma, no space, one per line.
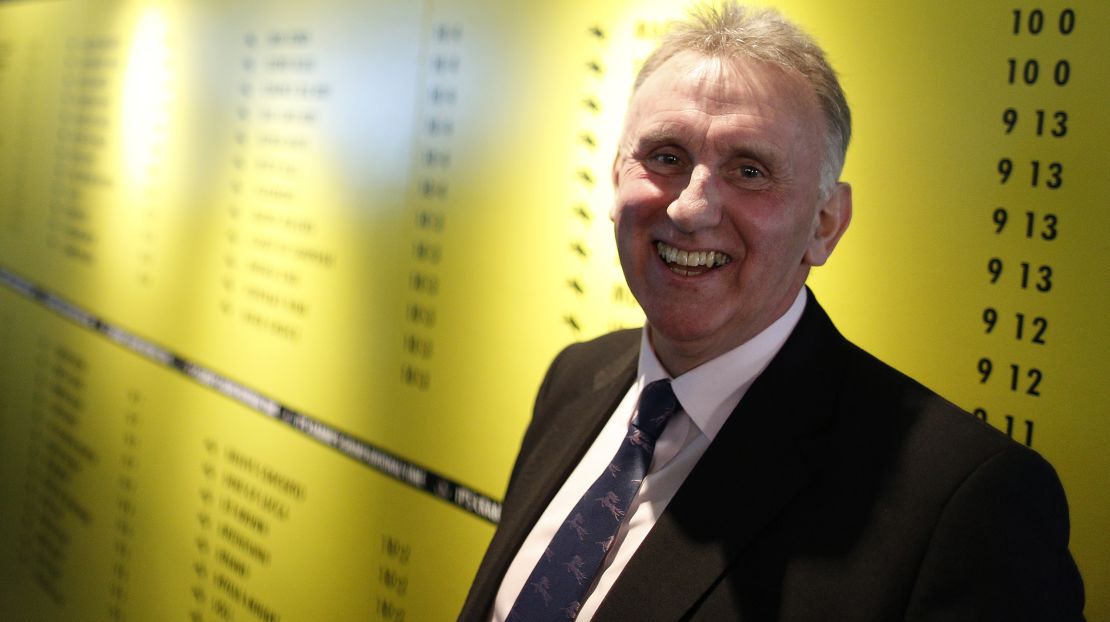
(1029,71)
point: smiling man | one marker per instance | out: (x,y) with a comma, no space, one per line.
(721,208)
(737,458)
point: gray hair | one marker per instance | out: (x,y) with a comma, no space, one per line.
(731,31)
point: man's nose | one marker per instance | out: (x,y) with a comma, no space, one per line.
(698,206)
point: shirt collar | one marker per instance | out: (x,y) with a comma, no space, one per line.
(711,391)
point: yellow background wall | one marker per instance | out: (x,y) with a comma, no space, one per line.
(278,280)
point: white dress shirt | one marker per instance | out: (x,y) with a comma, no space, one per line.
(707,394)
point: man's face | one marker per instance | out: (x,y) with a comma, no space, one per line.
(718,212)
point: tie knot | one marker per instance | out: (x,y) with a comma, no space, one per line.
(657,404)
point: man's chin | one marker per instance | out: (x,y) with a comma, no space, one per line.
(684,343)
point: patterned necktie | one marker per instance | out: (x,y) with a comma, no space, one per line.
(565,572)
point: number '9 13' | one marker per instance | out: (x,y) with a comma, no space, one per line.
(1050,174)
(1031,277)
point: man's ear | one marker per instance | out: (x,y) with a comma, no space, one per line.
(832,221)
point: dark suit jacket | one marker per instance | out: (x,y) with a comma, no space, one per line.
(839,489)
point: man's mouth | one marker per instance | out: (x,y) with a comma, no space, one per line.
(690,263)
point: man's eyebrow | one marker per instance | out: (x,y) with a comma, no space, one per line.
(642,145)
(660,134)
(756,151)
(673,134)
(670,133)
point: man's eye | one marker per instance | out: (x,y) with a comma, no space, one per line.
(667,159)
(750,172)
(665,162)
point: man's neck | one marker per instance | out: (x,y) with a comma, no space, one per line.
(679,358)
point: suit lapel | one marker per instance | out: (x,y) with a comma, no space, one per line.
(568,433)
(552,447)
(752,470)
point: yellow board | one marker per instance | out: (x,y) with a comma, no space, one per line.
(279,280)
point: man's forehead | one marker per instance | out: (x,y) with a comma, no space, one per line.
(726,78)
(718,86)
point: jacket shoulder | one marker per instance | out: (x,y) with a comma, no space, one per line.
(582,367)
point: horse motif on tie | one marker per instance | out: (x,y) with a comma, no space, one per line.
(541,587)
(574,567)
(609,502)
(641,440)
(577,524)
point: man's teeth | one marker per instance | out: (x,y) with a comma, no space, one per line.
(709,259)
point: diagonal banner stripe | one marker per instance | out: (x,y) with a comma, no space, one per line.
(374,457)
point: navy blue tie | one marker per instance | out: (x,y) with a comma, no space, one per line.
(565,572)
